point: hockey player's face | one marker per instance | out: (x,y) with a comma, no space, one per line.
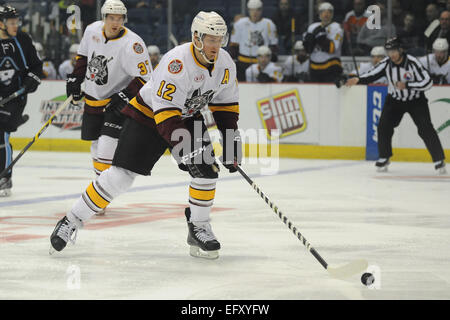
(255,14)
(326,16)
(113,24)
(395,56)
(12,26)
(441,56)
(263,61)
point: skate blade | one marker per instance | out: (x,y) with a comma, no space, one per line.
(442,171)
(5,193)
(51,251)
(198,253)
(382,169)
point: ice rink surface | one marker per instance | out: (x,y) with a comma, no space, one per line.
(399,221)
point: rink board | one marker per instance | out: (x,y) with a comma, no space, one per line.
(313,121)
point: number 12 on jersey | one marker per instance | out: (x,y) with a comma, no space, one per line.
(166,91)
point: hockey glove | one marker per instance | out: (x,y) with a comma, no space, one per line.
(309,42)
(232,150)
(197,167)
(73,87)
(118,101)
(264,78)
(31,82)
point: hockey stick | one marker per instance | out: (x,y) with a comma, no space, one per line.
(45,126)
(12,96)
(342,272)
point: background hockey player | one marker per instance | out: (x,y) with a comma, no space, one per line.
(20,67)
(296,67)
(113,63)
(264,71)
(323,41)
(377,54)
(155,55)
(438,63)
(250,33)
(408,80)
(189,77)
(67,66)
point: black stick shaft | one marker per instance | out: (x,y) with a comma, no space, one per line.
(284,219)
(12,96)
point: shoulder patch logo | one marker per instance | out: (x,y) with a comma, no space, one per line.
(138,48)
(175,66)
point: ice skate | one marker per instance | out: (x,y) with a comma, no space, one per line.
(5,187)
(202,241)
(65,231)
(440,167)
(382,165)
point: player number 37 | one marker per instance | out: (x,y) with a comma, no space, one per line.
(165,91)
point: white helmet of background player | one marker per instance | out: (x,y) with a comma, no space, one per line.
(208,23)
(114,7)
(440,44)
(74,48)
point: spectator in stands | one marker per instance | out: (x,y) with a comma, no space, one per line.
(377,54)
(323,41)
(67,66)
(369,38)
(432,13)
(88,10)
(296,67)
(264,70)
(438,63)
(283,19)
(353,22)
(410,33)
(48,68)
(443,31)
(249,34)
(398,13)
(155,55)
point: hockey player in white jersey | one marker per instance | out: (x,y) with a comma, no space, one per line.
(188,78)
(264,71)
(296,67)
(113,63)
(67,66)
(438,62)
(377,54)
(249,33)
(323,41)
(155,55)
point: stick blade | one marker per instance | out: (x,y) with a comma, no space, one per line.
(348,269)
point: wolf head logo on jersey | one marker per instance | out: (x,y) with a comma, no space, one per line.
(256,38)
(197,102)
(98,69)
(7,73)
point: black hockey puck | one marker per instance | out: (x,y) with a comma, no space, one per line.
(367,279)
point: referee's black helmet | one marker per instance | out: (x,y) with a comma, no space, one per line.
(393,44)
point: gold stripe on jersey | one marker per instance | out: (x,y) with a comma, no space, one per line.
(142,108)
(95,197)
(165,114)
(246,59)
(326,65)
(224,107)
(332,47)
(97,103)
(204,195)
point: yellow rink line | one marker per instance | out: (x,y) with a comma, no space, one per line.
(284,151)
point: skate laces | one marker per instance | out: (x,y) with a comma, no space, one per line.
(68,232)
(203,231)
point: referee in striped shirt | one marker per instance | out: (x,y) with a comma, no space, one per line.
(408,80)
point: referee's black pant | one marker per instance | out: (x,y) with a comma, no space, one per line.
(391,116)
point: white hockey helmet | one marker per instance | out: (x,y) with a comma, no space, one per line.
(440,44)
(153,50)
(74,48)
(299,45)
(378,51)
(264,51)
(254,4)
(208,23)
(114,7)
(326,6)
